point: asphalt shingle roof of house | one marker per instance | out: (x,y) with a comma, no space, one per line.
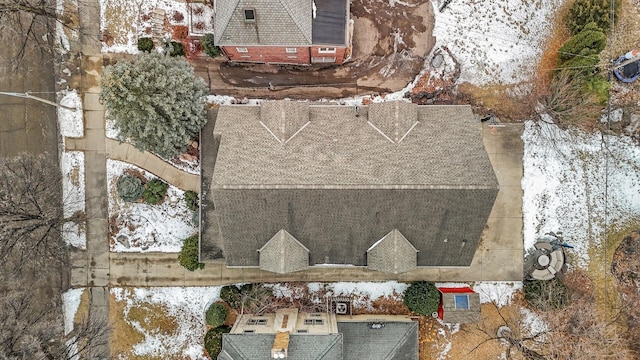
(277,22)
(389,145)
(339,179)
(394,341)
(301,347)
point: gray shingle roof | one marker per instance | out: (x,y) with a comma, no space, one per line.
(392,254)
(283,254)
(338,185)
(331,22)
(277,22)
(301,347)
(336,149)
(394,341)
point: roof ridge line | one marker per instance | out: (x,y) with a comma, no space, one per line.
(285,5)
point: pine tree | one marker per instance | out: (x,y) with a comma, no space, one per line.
(156,101)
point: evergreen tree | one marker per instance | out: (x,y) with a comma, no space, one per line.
(156,101)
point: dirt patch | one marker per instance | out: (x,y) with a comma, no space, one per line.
(625,267)
(625,38)
(123,336)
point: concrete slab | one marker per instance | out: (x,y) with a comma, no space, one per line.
(94,140)
(503,233)
(94,120)
(506,169)
(98,277)
(91,103)
(154,165)
(78,275)
(510,268)
(506,205)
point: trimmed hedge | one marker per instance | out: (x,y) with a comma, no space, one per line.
(422,297)
(175,48)
(231,295)
(188,256)
(213,340)
(216,315)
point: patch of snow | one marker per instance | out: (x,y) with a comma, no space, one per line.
(564,183)
(184,305)
(498,292)
(147,228)
(73,192)
(445,352)
(70,303)
(70,122)
(495,41)
(532,323)
(110,129)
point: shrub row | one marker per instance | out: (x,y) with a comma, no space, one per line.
(174,48)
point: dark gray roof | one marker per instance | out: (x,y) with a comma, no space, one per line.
(301,347)
(330,23)
(338,185)
(283,254)
(392,254)
(394,341)
(277,22)
(442,149)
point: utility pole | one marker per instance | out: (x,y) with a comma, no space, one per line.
(27,95)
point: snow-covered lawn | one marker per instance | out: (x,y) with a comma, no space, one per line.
(578,184)
(182,312)
(73,192)
(70,304)
(494,41)
(147,228)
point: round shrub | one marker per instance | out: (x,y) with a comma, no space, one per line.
(155,191)
(188,256)
(216,314)
(191,198)
(129,188)
(175,48)
(547,295)
(231,295)
(145,44)
(213,340)
(209,47)
(422,297)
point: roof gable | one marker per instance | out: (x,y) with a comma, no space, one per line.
(283,254)
(394,120)
(284,119)
(277,22)
(392,254)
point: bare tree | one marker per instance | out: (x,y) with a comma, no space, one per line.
(31,23)
(31,211)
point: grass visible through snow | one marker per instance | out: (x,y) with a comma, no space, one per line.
(599,271)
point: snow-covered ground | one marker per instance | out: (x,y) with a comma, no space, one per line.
(70,122)
(73,192)
(499,292)
(494,41)
(577,183)
(184,305)
(70,303)
(147,228)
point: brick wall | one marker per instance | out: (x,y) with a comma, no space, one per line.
(338,54)
(268,54)
(279,54)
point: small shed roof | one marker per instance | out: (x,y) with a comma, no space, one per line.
(459,305)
